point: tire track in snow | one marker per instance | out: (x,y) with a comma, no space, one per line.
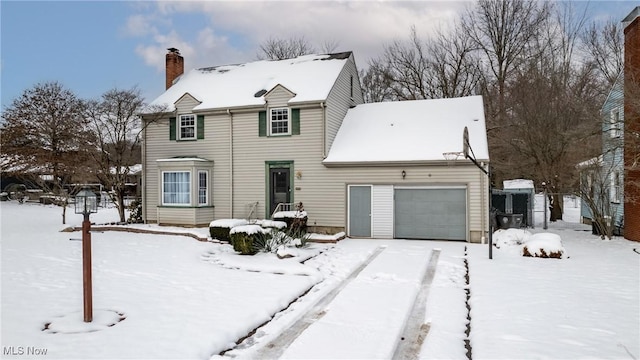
(415,330)
(276,348)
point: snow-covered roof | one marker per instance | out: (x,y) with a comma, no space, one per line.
(517,184)
(132,169)
(596,161)
(309,77)
(182,158)
(405,131)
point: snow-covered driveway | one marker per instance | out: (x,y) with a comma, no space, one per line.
(368,316)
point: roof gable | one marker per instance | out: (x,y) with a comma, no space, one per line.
(279,87)
(407,131)
(308,78)
(187,96)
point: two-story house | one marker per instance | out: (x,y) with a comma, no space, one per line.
(605,174)
(236,141)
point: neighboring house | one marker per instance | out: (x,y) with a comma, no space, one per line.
(238,140)
(605,174)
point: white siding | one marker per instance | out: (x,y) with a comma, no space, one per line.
(214,147)
(382,208)
(339,100)
(278,97)
(251,153)
(324,195)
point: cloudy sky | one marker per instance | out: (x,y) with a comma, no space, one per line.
(91,47)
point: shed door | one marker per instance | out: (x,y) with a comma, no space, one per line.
(430,214)
(360,211)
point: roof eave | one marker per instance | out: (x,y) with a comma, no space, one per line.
(390,163)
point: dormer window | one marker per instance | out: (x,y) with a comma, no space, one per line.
(279,122)
(187,127)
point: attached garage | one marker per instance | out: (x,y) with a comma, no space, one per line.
(387,211)
(413,170)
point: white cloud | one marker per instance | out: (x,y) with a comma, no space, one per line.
(139,25)
(234,29)
(154,54)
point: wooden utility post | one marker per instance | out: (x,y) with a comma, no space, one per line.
(86,269)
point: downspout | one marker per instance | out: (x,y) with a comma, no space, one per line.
(483,215)
(230,163)
(324,130)
(143,191)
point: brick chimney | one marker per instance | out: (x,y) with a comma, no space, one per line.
(174,66)
(632,124)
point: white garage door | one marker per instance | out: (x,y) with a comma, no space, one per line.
(430,213)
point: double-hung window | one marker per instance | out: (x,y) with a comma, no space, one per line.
(203,186)
(187,127)
(280,122)
(176,188)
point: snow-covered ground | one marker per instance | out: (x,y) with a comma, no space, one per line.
(184,299)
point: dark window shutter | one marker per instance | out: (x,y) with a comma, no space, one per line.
(172,128)
(295,121)
(200,126)
(262,123)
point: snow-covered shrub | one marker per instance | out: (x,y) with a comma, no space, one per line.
(544,245)
(272,224)
(510,237)
(296,220)
(243,238)
(219,229)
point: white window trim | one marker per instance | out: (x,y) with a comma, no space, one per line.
(162,188)
(615,187)
(614,125)
(270,121)
(195,127)
(206,188)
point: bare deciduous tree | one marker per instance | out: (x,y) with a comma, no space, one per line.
(116,126)
(280,49)
(375,85)
(442,67)
(502,30)
(603,44)
(45,136)
(553,117)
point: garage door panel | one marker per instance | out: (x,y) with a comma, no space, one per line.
(430,214)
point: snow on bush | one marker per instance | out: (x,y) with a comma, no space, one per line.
(228,223)
(273,224)
(244,238)
(248,229)
(510,237)
(290,214)
(219,229)
(544,245)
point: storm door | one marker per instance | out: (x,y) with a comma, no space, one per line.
(279,187)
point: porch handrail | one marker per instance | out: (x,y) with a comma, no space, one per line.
(283,207)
